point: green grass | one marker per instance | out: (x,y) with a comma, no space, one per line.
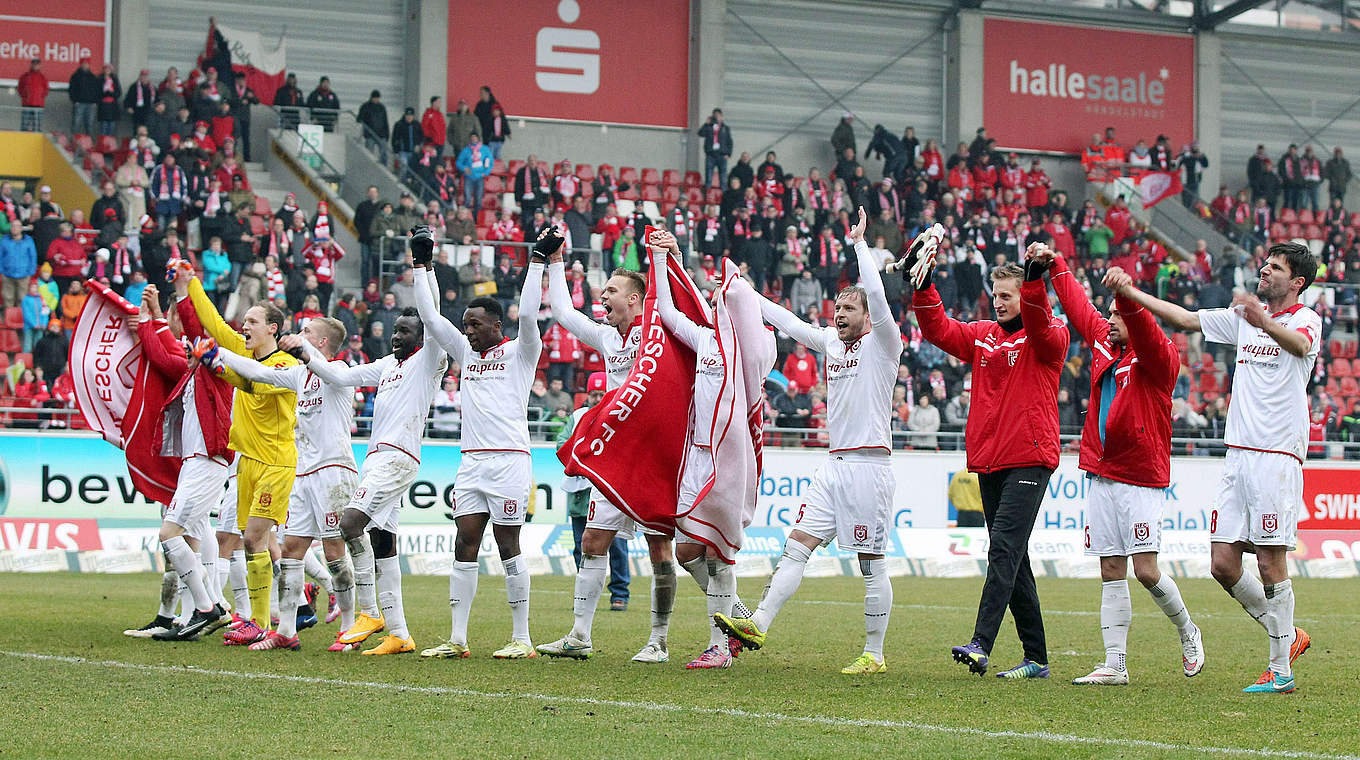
(785,701)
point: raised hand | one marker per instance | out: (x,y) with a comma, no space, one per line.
(1117,281)
(664,240)
(856,233)
(1040,252)
(421,245)
(204,351)
(549,245)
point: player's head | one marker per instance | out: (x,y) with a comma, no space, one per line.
(1006,281)
(482,323)
(326,334)
(262,326)
(1118,335)
(622,298)
(407,334)
(1289,269)
(851,315)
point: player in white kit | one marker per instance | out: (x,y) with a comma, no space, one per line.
(1261,492)
(850,499)
(495,474)
(617,340)
(717,579)
(326,474)
(407,379)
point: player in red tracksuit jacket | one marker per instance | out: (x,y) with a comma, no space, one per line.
(1126,451)
(1012,442)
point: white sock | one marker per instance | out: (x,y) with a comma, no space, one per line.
(1167,596)
(189,569)
(663,600)
(878,599)
(274,591)
(319,572)
(207,553)
(590,580)
(1280,625)
(389,596)
(361,553)
(698,570)
(1249,593)
(186,602)
(787,575)
(290,582)
(517,595)
(221,574)
(342,571)
(1116,613)
(169,587)
(722,593)
(462,590)
(240,589)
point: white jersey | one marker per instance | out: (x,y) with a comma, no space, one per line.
(1269,409)
(859,377)
(192,443)
(405,391)
(619,351)
(325,411)
(495,382)
(709,369)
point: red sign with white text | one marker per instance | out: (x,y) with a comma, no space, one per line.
(19,534)
(605,60)
(57,35)
(1050,87)
(1331,499)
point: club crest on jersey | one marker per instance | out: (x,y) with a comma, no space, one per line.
(494,354)
(313,384)
(1012,356)
(266,499)
(861,533)
(511,507)
(1270,522)
(1141,531)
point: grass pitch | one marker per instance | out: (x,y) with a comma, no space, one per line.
(78,688)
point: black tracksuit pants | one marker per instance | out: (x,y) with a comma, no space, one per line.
(1010,502)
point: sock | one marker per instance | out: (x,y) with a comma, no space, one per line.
(590,580)
(318,570)
(698,570)
(389,596)
(878,598)
(207,553)
(274,588)
(1280,625)
(517,595)
(189,570)
(259,582)
(1168,597)
(169,586)
(663,600)
(462,590)
(186,603)
(1116,613)
(361,553)
(1249,593)
(342,571)
(721,591)
(290,595)
(240,590)
(787,575)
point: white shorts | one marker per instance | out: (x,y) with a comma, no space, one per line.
(603,515)
(1123,519)
(850,500)
(1259,499)
(226,510)
(316,502)
(495,484)
(698,469)
(199,489)
(383,481)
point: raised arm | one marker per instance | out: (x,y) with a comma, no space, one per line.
(948,334)
(530,298)
(1158,359)
(167,363)
(338,373)
(1048,336)
(436,326)
(672,318)
(559,298)
(1084,315)
(788,322)
(1168,312)
(212,323)
(290,378)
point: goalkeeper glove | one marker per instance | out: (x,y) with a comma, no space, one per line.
(422,245)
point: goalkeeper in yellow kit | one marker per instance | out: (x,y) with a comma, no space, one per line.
(262,423)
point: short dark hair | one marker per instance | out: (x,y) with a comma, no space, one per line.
(638,280)
(489,305)
(274,316)
(433,98)
(1302,262)
(409,311)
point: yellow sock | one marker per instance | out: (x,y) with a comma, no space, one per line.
(259,577)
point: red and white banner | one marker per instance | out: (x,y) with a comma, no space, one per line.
(1331,499)
(37,534)
(1049,87)
(1154,187)
(606,60)
(263,64)
(58,34)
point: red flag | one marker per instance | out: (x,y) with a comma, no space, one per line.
(263,67)
(1153,187)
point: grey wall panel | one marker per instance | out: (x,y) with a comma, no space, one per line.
(839,46)
(359,44)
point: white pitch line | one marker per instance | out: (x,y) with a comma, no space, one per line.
(727,712)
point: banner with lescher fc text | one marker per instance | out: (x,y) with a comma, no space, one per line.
(57,34)
(1049,87)
(603,60)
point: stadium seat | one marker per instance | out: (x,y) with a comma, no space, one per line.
(628,174)
(670,194)
(1355,220)
(1180,341)
(651,210)
(624,207)
(1207,363)
(714,196)
(4,363)
(487,218)
(498,168)
(602,168)
(671,177)
(586,172)
(258,226)
(14,318)
(514,167)
(651,177)
(1349,386)
(94,162)
(24,359)
(9,340)
(1306,217)
(1314,232)
(84,143)
(1355,367)
(631,194)
(695,195)
(543,167)
(1340,368)
(491,201)
(483,230)
(1295,230)
(106,144)
(1288,216)
(693,178)
(1208,382)
(493,184)
(1278,231)
(651,193)
(262,206)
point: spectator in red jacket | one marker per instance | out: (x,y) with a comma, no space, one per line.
(1036,189)
(801,367)
(31,392)
(1117,218)
(33,89)
(1012,441)
(67,256)
(1126,450)
(1062,235)
(433,126)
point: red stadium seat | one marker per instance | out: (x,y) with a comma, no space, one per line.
(4,363)
(671,177)
(586,172)
(714,196)
(483,230)
(1288,216)
(651,177)
(1355,219)
(1349,386)
(83,142)
(9,340)
(487,217)
(1208,382)
(1355,367)
(262,206)
(828,308)
(1180,341)
(1278,231)
(670,194)
(106,144)
(514,167)
(1340,368)
(543,167)
(493,184)
(631,194)
(14,318)
(258,226)
(651,193)
(628,174)
(1306,217)
(693,179)
(498,168)
(695,195)
(1314,232)
(1295,231)
(94,162)
(24,359)
(491,201)
(602,168)
(1206,363)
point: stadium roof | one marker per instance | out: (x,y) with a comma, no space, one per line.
(1335,16)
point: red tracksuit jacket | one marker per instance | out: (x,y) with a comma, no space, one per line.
(1137,448)
(1014,417)
(212,395)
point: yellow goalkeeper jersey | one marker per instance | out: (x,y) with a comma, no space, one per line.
(262,416)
